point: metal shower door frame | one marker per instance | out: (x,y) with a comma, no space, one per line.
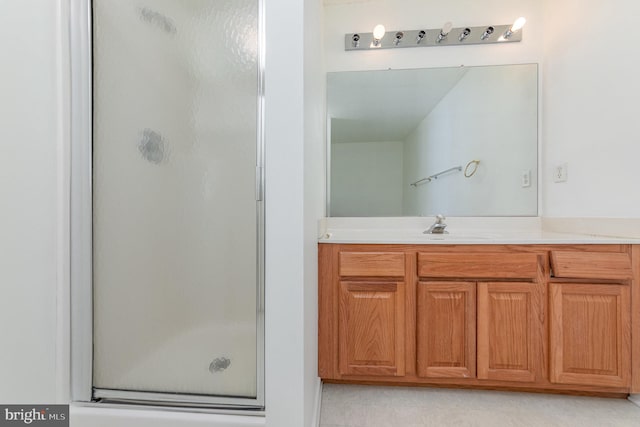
(82,389)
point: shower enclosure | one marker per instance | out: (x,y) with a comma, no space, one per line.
(167,202)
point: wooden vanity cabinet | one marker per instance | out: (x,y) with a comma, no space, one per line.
(590,320)
(495,326)
(371,301)
(531,317)
(510,329)
(502,318)
(371,321)
(590,334)
(446,329)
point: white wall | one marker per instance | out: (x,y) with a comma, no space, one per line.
(589,89)
(30,190)
(314,195)
(491,116)
(361,16)
(590,108)
(293,158)
(366,178)
(284,307)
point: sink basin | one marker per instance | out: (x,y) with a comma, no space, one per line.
(457,237)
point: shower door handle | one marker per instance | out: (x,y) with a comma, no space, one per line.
(259,183)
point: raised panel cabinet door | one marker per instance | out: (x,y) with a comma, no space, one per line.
(590,334)
(371,328)
(446,329)
(510,327)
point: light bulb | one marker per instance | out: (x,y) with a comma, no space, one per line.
(518,24)
(444,31)
(378,32)
(515,27)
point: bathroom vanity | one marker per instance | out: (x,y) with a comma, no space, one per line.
(550,314)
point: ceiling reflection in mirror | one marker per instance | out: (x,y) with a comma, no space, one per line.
(459,141)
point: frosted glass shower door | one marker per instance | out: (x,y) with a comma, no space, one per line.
(176,211)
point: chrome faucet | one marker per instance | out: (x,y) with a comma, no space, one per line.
(437,227)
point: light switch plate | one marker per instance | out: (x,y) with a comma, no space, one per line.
(560,173)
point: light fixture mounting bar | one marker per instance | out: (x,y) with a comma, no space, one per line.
(410,37)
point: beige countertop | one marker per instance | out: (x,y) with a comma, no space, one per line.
(468,231)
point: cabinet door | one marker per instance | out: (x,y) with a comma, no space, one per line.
(446,329)
(590,334)
(371,328)
(509,330)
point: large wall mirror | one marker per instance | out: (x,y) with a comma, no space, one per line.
(459,141)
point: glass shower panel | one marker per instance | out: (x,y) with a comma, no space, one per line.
(175,216)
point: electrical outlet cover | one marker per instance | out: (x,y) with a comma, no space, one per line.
(526,178)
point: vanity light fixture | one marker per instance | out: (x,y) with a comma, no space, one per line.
(517,26)
(430,37)
(486,33)
(464,34)
(399,36)
(378,34)
(444,31)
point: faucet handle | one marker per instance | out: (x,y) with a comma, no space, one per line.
(440,218)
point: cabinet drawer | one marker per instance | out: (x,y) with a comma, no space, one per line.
(591,265)
(478,265)
(372,264)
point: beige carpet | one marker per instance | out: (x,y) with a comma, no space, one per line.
(372,406)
